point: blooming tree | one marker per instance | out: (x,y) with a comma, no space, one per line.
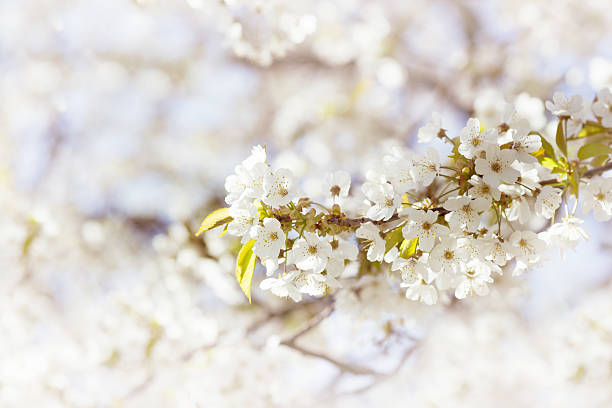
(438,223)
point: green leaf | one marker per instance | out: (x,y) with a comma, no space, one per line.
(393,238)
(599,160)
(245,266)
(593,149)
(408,247)
(549,163)
(574,182)
(547,149)
(560,138)
(215,219)
(591,129)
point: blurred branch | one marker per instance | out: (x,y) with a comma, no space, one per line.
(311,324)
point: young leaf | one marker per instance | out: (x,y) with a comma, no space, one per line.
(560,138)
(547,149)
(215,219)
(393,238)
(593,149)
(599,160)
(245,266)
(591,129)
(574,182)
(408,247)
(549,163)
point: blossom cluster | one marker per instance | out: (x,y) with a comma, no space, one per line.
(440,224)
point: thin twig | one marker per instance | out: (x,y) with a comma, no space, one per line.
(311,324)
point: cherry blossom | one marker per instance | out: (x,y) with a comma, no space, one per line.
(524,144)
(472,280)
(496,167)
(603,107)
(423,225)
(432,129)
(384,200)
(376,248)
(310,253)
(473,141)
(338,184)
(465,212)
(563,106)
(597,196)
(244,218)
(283,286)
(269,238)
(547,202)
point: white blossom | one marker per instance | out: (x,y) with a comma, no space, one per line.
(279,188)
(473,279)
(421,291)
(473,141)
(497,166)
(310,252)
(519,210)
(445,259)
(480,189)
(411,269)
(565,234)
(247,182)
(524,144)
(245,216)
(465,212)
(527,181)
(527,247)
(423,225)
(384,200)
(563,106)
(431,130)
(496,251)
(338,184)
(342,250)
(603,107)
(547,202)
(283,286)
(597,196)
(269,238)
(315,283)
(376,245)
(399,170)
(426,167)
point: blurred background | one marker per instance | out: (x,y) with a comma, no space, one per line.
(119,121)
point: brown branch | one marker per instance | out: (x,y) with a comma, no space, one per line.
(273,314)
(349,368)
(590,173)
(311,324)
(598,170)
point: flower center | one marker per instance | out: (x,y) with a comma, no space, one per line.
(273,236)
(600,196)
(426,226)
(449,254)
(335,190)
(476,141)
(496,167)
(389,202)
(466,208)
(523,243)
(485,189)
(283,191)
(312,250)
